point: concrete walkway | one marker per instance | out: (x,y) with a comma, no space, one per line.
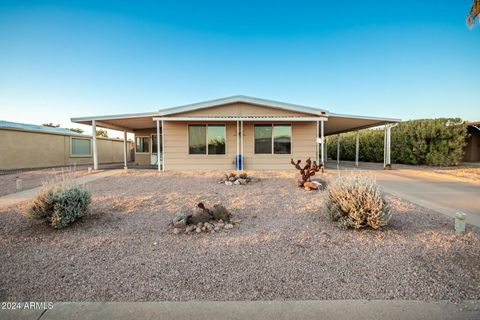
(444,196)
(264,310)
(15,198)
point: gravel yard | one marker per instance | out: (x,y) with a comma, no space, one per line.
(34,178)
(283,248)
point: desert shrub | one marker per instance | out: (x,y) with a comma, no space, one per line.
(60,202)
(436,142)
(356,201)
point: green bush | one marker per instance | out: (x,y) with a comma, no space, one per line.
(436,142)
(60,203)
(356,201)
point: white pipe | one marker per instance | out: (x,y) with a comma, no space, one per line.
(94,140)
(125,149)
(238,146)
(385,146)
(317,144)
(357,147)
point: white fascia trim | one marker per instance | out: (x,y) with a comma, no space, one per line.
(116,116)
(257,119)
(244,99)
(338,115)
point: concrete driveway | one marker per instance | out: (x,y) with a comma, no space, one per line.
(444,196)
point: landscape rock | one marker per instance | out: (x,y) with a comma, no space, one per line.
(176,231)
(242,181)
(236,182)
(232,179)
(229,226)
(228,183)
(198,230)
(311,185)
(180,220)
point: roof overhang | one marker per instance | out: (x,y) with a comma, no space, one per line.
(243,118)
(340,123)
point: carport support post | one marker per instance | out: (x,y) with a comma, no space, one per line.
(322,144)
(94,145)
(357,147)
(124,149)
(338,149)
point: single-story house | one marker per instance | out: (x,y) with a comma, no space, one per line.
(27,146)
(239,132)
(472,147)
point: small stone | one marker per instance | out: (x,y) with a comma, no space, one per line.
(220,221)
(229,226)
(189,229)
(242,181)
(311,185)
(224,177)
(198,230)
(237,183)
(200,224)
(217,228)
(176,231)
(232,179)
(228,183)
(307,189)
(204,229)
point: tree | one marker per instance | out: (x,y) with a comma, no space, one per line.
(473,14)
(102,133)
(51,125)
(77,130)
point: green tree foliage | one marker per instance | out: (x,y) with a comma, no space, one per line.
(102,133)
(51,125)
(77,130)
(436,142)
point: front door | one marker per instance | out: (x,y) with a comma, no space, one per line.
(154,153)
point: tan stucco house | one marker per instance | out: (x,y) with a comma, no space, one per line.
(238,132)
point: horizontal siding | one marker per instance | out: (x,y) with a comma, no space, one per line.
(177,157)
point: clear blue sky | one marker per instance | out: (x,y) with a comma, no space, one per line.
(405,59)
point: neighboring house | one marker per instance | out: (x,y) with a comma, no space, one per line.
(26,146)
(235,132)
(472,149)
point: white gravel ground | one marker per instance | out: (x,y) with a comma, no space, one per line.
(284,248)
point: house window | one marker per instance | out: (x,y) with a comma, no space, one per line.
(206,139)
(273,139)
(81,147)
(141,145)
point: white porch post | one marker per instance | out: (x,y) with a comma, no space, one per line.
(322,143)
(326,151)
(389,135)
(357,147)
(125,149)
(160,166)
(94,145)
(338,149)
(385,146)
(317,144)
(241,144)
(237,166)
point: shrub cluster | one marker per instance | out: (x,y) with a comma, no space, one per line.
(437,142)
(356,201)
(60,202)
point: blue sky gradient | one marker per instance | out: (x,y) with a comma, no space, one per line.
(403,59)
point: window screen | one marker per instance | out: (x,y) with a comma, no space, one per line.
(81,147)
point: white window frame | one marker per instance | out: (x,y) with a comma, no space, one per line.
(80,155)
(206,139)
(149,142)
(273,140)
